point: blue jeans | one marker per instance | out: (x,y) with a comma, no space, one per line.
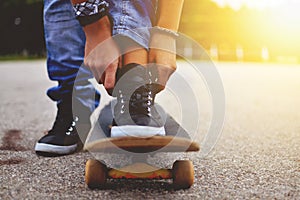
(132,18)
(65,42)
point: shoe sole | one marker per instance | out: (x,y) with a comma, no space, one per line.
(137,131)
(42,148)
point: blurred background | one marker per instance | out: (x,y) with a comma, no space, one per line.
(245,30)
(21,34)
(230,30)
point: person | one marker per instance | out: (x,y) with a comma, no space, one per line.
(122,63)
(111,61)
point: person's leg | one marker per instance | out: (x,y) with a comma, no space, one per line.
(65,46)
(135,113)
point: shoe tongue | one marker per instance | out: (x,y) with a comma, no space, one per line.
(130,78)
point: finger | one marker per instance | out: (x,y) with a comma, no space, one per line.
(110,75)
(166,66)
(91,65)
(102,80)
(97,74)
(120,61)
(151,56)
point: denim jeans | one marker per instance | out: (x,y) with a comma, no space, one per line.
(133,18)
(65,41)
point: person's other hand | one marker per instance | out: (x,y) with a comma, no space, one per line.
(101,52)
(162,53)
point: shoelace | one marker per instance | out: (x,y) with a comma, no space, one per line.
(64,124)
(72,127)
(141,101)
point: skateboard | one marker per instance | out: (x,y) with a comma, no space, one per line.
(176,140)
(182,172)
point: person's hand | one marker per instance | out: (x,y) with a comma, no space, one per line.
(162,53)
(103,61)
(101,52)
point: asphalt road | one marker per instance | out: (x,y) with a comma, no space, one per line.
(257,156)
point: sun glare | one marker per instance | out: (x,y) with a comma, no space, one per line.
(280,15)
(285,12)
(258,4)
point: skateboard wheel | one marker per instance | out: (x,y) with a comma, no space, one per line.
(95,174)
(183,174)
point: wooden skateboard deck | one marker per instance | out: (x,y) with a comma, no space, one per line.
(143,145)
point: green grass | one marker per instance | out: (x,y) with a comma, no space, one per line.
(19,57)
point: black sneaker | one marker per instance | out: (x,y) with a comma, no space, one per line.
(63,138)
(135,113)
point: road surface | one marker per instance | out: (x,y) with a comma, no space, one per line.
(257,155)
